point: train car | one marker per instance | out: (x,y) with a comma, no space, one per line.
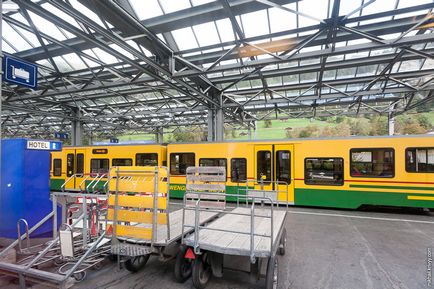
(337,172)
(76,167)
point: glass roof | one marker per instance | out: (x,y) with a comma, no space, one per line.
(292,43)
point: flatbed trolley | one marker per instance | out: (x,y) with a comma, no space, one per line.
(245,238)
(139,218)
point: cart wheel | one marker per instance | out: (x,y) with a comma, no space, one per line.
(136,263)
(282,243)
(183,266)
(59,261)
(201,271)
(79,276)
(272,273)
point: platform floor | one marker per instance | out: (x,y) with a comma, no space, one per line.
(335,249)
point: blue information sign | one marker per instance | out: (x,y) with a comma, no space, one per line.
(114,140)
(20,72)
(61,135)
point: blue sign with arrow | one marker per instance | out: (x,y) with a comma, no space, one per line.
(20,72)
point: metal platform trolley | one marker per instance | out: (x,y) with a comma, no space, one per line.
(139,218)
(246,237)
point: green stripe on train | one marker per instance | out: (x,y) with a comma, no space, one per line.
(56,184)
(353,199)
(177,191)
(393,187)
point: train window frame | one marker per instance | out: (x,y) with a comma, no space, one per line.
(123,159)
(79,163)
(270,178)
(238,180)
(214,159)
(288,180)
(342,181)
(140,154)
(373,149)
(70,166)
(406,160)
(177,172)
(100,159)
(55,167)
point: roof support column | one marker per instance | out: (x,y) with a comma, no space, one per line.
(216,122)
(159,135)
(391,123)
(77,129)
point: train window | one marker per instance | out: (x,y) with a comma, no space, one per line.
(324,171)
(263,165)
(57,167)
(80,164)
(147,160)
(283,166)
(179,162)
(372,163)
(122,162)
(238,170)
(419,160)
(99,166)
(69,165)
(214,162)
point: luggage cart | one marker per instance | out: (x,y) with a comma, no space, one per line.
(139,218)
(247,237)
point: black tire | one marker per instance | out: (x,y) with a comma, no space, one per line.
(282,243)
(183,266)
(271,279)
(136,263)
(79,276)
(112,257)
(201,271)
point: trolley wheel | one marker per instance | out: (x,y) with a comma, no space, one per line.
(272,273)
(79,276)
(201,271)
(282,243)
(183,266)
(136,263)
(58,261)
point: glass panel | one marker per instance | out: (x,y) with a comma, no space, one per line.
(263,165)
(324,171)
(238,170)
(57,165)
(179,162)
(283,166)
(80,164)
(420,160)
(99,166)
(146,159)
(122,162)
(69,165)
(372,163)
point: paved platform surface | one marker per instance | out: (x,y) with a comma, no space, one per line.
(335,249)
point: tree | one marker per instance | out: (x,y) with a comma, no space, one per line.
(424,121)
(360,126)
(379,126)
(268,123)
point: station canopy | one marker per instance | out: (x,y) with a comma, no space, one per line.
(129,66)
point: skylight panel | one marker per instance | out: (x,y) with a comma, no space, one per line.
(206,34)
(14,38)
(225,30)
(87,12)
(410,3)
(281,20)
(146,9)
(170,6)
(102,55)
(75,61)
(46,27)
(255,23)
(30,37)
(62,64)
(201,2)
(59,13)
(122,51)
(7,48)
(313,8)
(184,38)
(348,6)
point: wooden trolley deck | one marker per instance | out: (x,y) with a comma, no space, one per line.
(175,226)
(233,243)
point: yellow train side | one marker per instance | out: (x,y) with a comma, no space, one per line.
(336,172)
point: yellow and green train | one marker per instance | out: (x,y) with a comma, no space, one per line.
(336,172)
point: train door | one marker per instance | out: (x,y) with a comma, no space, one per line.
(273,168)
(74,168)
